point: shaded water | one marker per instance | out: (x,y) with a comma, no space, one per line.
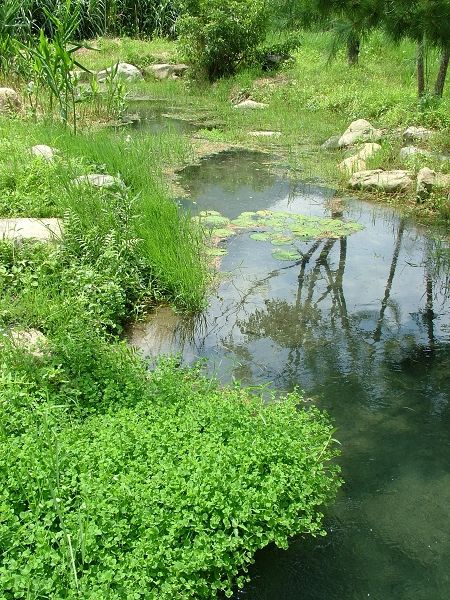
(156,117)
(362,324)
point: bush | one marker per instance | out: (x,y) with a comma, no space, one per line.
(169,498)
(219,35)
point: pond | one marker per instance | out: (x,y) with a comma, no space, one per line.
(361,324)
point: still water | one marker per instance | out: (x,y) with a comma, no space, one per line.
(362,325)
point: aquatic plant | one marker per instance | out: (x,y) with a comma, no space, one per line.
(279,228)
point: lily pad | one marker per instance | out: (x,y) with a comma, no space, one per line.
(290,255)
(215,220)
(223,232)
(281,240)
(260,236)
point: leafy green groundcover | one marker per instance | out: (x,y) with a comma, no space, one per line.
(168,497)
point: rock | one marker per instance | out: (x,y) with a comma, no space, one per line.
(383,181)
(43,151)
(360,130)
(100,181)
(417,133)
(428,180)
(180,69)
(31,340)
(273,60)
(408,151)
(332,143)
(9,100)
(264,133)
(358,161)
(251,104)
(165,70)
(81,76)
(37,229)
(124,71)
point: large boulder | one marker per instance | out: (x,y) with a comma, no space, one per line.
(166,71)
(43,230)
(429,181)
(9,101)
(359,131)
(123,71)
(250,104)
(382,181)
(417,133)
(358,161)
(99,180)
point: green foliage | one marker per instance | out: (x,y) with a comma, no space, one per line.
(113,17)
(170,496)
(218,36)
(53,60)
(10,23)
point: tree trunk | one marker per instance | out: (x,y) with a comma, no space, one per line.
(440,80)
(353,44)
(421,68)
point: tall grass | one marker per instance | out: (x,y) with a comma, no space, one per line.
(166,244)
(98,17)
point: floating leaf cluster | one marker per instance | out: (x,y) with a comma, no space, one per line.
(277,227)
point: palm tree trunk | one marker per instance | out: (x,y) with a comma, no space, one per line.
(442,74)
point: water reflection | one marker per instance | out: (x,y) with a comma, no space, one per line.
(362,325)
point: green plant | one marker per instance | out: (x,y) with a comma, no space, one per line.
(168,497)
(53,61)
(217,37)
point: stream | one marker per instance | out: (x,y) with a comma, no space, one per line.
(362,325)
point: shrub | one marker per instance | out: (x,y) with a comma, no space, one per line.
(169,498)
(218,36)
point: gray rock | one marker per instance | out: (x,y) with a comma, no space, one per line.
(332,143)
(38,229)
(417,133)
(122,71)
(408,151)
(100,181)
(360,130)
(428,181)
(250,104)
(81,76)
(358,161)
(43,151)
(9,101)
(383,181)
(165,70)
